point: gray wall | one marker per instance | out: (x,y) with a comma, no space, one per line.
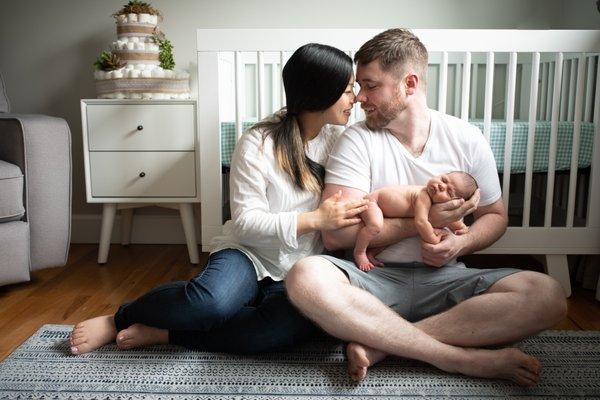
(47,47)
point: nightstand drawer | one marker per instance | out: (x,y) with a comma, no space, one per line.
(152,127)
(142,174)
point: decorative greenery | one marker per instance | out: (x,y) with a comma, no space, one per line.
(108,61)
(166,50)
(138,7)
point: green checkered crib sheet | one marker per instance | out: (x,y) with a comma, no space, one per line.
(497,140)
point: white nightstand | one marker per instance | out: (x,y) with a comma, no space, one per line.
(141,153)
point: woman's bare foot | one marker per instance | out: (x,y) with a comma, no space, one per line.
(92,333)
(139,335)
(510,364)
(360,358)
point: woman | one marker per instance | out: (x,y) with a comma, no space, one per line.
(238,302)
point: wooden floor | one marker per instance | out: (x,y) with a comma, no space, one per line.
(84,289)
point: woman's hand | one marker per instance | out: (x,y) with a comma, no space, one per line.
(334,213)
(443,214)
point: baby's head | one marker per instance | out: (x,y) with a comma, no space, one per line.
(454,185)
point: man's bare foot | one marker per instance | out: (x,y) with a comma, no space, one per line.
(360,358)
(92,333)
(139,335)
(510,364)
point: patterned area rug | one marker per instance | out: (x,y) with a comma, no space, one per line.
(42,368)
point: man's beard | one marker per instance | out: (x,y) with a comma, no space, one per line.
(384,114)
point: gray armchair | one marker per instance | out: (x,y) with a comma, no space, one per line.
(35,192)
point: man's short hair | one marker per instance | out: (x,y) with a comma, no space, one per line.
(396,49)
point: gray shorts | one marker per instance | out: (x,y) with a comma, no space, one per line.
(417,291)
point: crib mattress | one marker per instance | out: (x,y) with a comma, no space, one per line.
(497,142)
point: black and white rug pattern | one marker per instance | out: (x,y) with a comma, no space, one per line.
(42,368)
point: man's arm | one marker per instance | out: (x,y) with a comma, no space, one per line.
(490,224)
(393,230)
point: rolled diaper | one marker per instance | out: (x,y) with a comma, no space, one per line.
(130,45)
(132,18)
(133,73)
(122,18)
(146,74)
(117,74)
(143,18)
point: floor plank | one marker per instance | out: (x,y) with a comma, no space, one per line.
(84,289)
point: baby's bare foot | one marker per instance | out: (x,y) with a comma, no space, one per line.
(363,262)
(511,364)
(139,335)
(360,358)
(92,333)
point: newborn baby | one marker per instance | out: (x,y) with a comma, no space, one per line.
(411,201)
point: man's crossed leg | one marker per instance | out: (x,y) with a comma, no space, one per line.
(514,307)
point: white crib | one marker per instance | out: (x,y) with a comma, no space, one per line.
(558,68)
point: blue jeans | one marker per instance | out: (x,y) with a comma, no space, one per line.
(223,308)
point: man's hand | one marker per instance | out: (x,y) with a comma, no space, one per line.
(443,214)
(447,249)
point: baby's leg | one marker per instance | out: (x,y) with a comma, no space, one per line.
(373,220)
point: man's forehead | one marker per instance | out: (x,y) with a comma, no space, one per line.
(372,72)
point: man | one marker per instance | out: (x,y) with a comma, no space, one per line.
(422,304)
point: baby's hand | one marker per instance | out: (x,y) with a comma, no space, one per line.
(462,231)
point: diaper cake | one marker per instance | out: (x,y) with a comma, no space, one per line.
(140,62)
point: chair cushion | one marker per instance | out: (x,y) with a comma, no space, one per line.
(4,104)
(11,192)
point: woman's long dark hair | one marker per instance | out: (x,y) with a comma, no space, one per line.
(314,78)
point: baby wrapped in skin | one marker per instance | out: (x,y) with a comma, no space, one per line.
(411,201)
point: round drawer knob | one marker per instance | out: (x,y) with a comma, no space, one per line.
(140,127)
(142,174)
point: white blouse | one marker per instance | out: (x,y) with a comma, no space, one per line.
(265,205)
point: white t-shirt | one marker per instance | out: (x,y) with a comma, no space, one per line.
(265,205)
(368,160)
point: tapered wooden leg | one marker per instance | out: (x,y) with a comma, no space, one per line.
(108,218)
(189,228)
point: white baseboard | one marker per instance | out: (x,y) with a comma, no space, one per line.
(146,229)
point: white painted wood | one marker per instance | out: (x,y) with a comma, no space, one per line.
(466,87)
(553,134)
(141,127)
(457,84)
(556,266)
(510,116)
(535,68)
(551,240)
(108,217)
(281,87)
(543,90)
(189,227)
(126,225)
(564,93)
(275,104)
(211,193)
(143,174)
(578,114)
(260,74)
(473,97)
(443,83)
(593,210)
(239,99)
(473,40)
(489,89)
(571,99)
(549,94)
(589,89)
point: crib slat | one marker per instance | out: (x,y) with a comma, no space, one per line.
(443,83)
(474,92)
(564,102)
(457,83)
(533,94)
(260,84)
(281,87)
(553,133)
(238,84)
(576,139)
(571,100)
(550,91)
(489,88)
(274,91)
(593,210)
(543,91)
(466,83)
(510,116)
(588,90)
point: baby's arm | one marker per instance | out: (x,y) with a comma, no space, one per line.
(458,227)
(373,220)
(422,206)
